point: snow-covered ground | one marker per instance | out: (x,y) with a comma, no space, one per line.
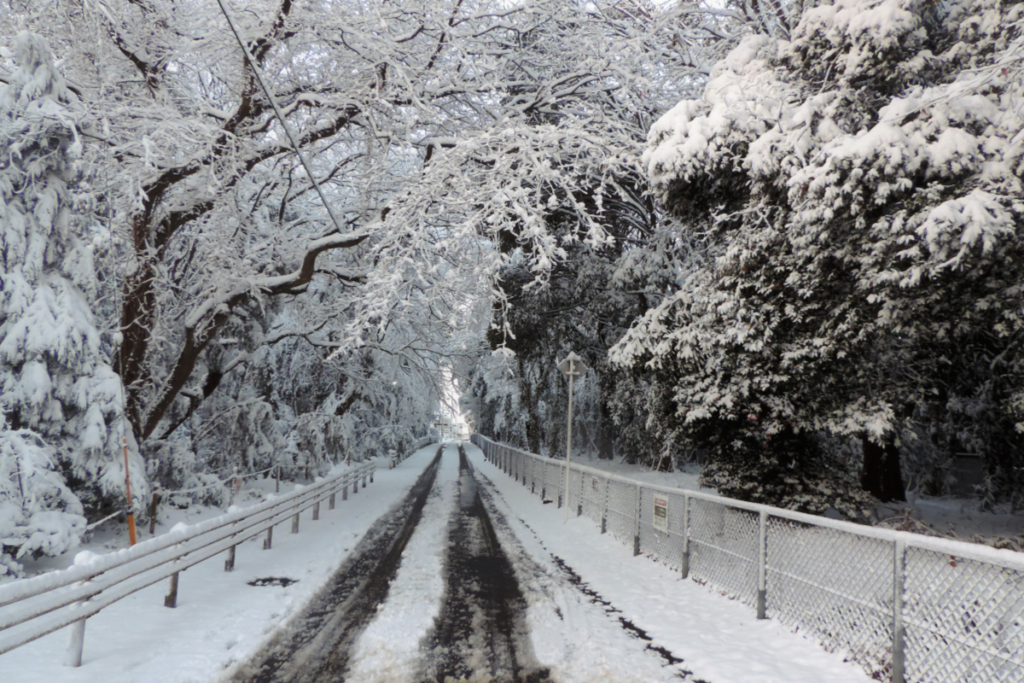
(594,612)
(719,640)
(962,518)
(220,619)
(685,478)
(570,634)
(959,518)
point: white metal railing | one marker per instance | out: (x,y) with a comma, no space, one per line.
(906,607)
(33,608)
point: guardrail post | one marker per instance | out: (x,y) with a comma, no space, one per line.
(229,563)
(898,566)
(685,562)
(295,523)
(636,525)
(316,511)
(372,470)
(762,561)
(268,542)
(76,642)
(330,502)
(171,599)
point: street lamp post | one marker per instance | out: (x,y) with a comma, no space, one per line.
(572,367)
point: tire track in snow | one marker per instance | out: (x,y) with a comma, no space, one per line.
(575,631)
(481,633)
(388,651)
(316,646)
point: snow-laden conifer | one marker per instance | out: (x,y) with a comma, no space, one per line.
(858,190)
(39,515)
(60,397)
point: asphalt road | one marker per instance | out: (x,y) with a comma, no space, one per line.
(480,634)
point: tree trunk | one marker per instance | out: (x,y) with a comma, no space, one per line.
(881,476)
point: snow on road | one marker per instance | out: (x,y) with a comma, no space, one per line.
(220,620)
(719,640)
(389,648)
(586,609)
(571,634)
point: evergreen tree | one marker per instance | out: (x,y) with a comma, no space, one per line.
(858,193)
(60,397)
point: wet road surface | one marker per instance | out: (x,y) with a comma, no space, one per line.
(481,633)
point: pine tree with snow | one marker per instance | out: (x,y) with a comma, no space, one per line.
(60,396)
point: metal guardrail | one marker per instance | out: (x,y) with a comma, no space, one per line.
(33,608)
(906,607)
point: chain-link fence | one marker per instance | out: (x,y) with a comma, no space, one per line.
(908,608)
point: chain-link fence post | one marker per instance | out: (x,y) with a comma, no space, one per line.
(579,501)
(604,506)
(898,566)
(636,522)
(762,561)
(561,485)
(684,563)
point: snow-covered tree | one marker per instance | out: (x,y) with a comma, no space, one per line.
(39,514)
(432,127)
(60,398)
(563,293)
(857,195)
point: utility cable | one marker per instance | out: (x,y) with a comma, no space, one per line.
(280,117)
